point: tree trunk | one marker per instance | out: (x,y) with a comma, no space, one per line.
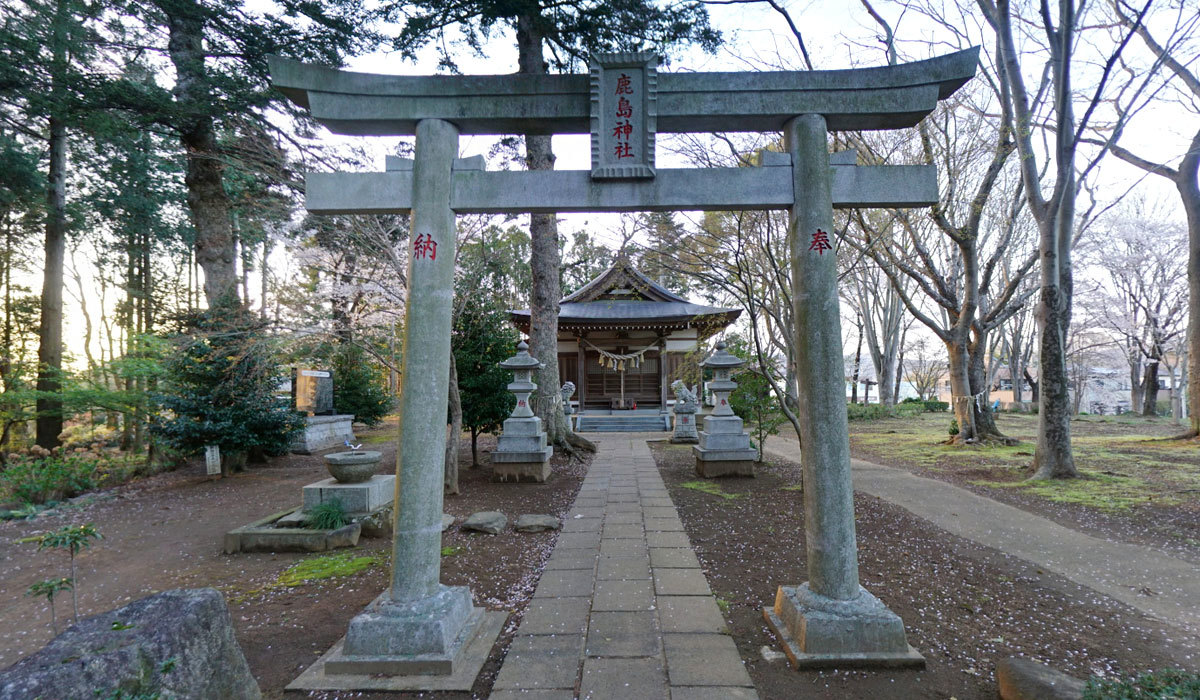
(1053,458)
(49,380)
(1150,394)
(455,402)
(206,198)
(1188,184)
(1135,385)
(857,360)
(985,418)
(474,447)
(544,266)
(961,401)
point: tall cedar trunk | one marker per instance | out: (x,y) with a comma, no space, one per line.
(456,417)
(206,198)
(1188,184)
(544,264)
(1150,394)
(49,382)
(961,401)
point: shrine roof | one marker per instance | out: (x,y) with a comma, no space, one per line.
(623,296)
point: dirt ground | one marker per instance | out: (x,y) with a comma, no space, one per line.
(1137,486)
(166,532)
(964,606)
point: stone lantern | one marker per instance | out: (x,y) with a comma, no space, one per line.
(521,451)
(724,448)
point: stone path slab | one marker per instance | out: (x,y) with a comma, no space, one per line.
(1117,569)
(623,609)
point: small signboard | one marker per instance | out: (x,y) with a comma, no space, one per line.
(212,459)
(624,115)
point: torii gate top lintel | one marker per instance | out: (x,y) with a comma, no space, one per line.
(366,104)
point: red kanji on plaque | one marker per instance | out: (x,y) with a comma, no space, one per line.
(820,242)
(622,150)
(722,402)
(424,246)
(622,130)
(521,403)
(623,86)
(624,108)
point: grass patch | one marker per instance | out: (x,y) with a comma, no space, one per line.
(1166,684)
(379,438)
(1113,494)
(793,487)
(710,488)
(723,605)
(326,566)
(452,549)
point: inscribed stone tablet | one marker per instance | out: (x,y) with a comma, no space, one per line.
(624,89)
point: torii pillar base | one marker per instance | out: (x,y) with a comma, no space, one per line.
(818,632)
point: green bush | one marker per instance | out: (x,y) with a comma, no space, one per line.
(912,399)
(934,406)
(1168,684)
(53,478)
(871,411)
(330,515)
(220,387)
(908,410)
(953,426)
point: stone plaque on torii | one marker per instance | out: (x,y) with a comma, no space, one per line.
(828,621)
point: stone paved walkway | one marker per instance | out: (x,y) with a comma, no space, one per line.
(1160,585)
(623,610)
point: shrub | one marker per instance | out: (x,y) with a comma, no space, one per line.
(53,478)
(871,411)
(953,426)
(908,410)
(934,406)
(220,387)
(1152,685)
(358,386)
(330,515)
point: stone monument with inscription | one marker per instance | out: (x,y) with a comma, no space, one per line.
(724,448)
(312,395)
(521,451)
(420,626)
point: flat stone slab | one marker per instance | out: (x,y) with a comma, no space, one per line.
(681,582)
(623,569)
(720,692)
(263,536)
(625,596)
(577,540)
(803,661)
(560,583)
(572,559)
(541,662)
(673,558)
(537,523)
(556,616)
(466,667)
(697,614)
(615,679)
(668,539)
(623,548)
(704,659)
(623,634)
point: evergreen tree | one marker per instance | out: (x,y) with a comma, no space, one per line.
(222,389)
(483,337)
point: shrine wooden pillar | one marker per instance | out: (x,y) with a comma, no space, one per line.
(581,371)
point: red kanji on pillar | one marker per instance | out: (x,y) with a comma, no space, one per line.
(820,242)
(424,246)
(623,150)
(623,85)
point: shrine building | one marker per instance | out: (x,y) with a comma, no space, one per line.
(620,339)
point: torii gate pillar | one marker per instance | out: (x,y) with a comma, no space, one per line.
(830,621)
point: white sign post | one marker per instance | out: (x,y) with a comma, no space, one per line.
(212,459)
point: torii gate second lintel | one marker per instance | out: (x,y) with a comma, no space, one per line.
(830,620)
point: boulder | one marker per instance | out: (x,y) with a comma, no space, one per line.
(346,536)
(447,521)
(489,521)
(537,523)
(1023,679)
(176,643)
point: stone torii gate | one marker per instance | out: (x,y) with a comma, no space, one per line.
(419,625)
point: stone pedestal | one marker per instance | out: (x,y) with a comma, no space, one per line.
(361,498)
(521,450)
(724,448)
(685,425)
(409,637)
(323,432)
(820,632)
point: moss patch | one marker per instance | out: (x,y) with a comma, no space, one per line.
(1106,492)
(325,566)
(710,488)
